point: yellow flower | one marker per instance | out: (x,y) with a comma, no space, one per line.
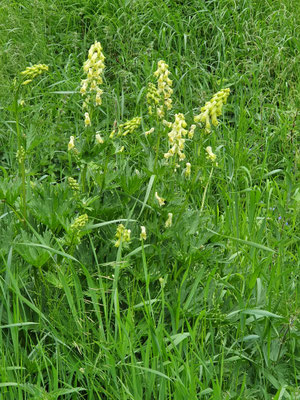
(168,223)
(143,235)
(79,222)
(164,84)
(99,139)
(34,71)
(176,137)
(210,155)
(71,143)
(93,68)
(160,200)
(112,134)
(129,126)
(87,120)
(150,131)
(122,235)
(188,170)
(73,184)
(162,282)
(191,131)
(212,109)
(27,81)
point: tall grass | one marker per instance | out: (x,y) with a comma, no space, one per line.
(207,308)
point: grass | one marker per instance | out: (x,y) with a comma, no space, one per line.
(205,309)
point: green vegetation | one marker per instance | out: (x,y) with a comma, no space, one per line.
(202,303)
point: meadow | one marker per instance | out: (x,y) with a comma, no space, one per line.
(149,199)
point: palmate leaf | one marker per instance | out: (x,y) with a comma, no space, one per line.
(51,205)
(36,256)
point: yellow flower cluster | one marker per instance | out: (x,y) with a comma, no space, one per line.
(79,222)
(34,71)
(122,235)
(160,200)
(164,84)
(93,67)
(99,139)
(168,223)
(212,109)
(210,155)
(188,170)
(87,119)
(176,137)
(159,97)
(153,97)
(143,235)
(73,184)
(128,126)
(21,153)
(71,144)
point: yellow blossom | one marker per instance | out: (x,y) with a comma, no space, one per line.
(73,184)
(129,126)
(212,109)
(162,282)
(176,137)
(168,223)
(188,170)
(143,235)
(112,134)
(153,97)
(87,120)
(93,68)
(210,155)
(26,82)
(34,71)
(150,131)
(79,222)
(71,143)
(122,235)
(99,139)
(160,200)
(164,83)
(191,131)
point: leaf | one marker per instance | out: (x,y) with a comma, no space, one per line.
(149,187)
(247,242)
(176,339)
(249,337)
(115,221)
(18,324)
(261,313)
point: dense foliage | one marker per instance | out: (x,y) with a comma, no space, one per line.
(149,245)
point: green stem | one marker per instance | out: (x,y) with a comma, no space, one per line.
(22,160)
(205,190)
(157,149)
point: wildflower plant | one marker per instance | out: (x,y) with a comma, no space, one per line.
(32,72)
(122,235)
(177,137)
(212,110)
(205,276)
(29,74)
(93,68)
(159,97)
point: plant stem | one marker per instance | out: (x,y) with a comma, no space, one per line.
(205,190)
(22,159)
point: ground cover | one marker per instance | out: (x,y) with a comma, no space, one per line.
(149,254)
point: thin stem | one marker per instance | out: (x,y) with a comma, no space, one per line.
(205,190)
(22,159)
